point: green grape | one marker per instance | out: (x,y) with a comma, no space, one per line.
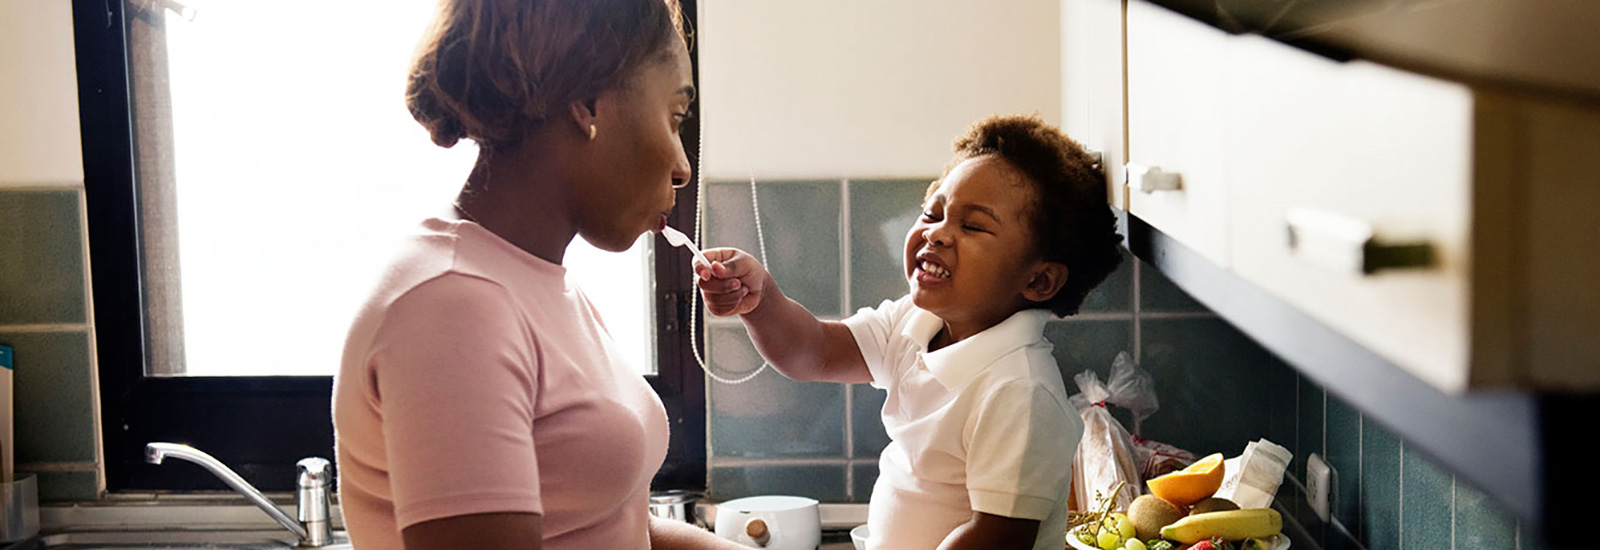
(1134,544)
(1086,537)
(1125,526)
(1109,541)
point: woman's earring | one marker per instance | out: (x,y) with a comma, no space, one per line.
(592,131)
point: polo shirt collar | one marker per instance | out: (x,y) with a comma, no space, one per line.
(957,364)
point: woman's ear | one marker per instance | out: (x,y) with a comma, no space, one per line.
(583,115)
(1047,280)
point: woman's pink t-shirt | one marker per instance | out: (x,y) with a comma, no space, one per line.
(478,379)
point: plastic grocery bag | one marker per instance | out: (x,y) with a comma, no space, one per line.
(1106,454)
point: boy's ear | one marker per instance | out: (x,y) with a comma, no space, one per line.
(1047,280)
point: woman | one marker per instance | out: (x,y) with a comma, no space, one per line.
(480,403)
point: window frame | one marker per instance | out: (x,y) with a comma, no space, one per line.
(261,425)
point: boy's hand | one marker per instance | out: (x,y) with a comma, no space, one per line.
(734,282)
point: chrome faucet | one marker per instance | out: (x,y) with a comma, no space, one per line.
(314,527)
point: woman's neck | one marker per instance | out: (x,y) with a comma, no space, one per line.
(521,199)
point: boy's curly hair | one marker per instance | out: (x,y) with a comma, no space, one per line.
(1071,220)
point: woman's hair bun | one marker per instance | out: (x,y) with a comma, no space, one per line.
(490,70)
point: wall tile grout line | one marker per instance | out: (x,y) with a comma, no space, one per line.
(1137,313)
(814,461)
(1400,515)
(844,309)
(51,467)
(46,327)
(42,186)
(1361,474)
(1330,490)
(1176,315)
(1093,316)
(94,358)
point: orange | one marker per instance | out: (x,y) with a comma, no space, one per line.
(1190,485)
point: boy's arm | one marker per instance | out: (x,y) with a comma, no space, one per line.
(992,532)
(798,344)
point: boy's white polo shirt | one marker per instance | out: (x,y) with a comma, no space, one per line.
(981,425)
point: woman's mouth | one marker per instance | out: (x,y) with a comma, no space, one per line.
(661,223)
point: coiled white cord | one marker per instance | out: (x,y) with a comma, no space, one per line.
(699,231)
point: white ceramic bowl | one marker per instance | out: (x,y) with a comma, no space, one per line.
(1276,542)
(859,537)
(791,523)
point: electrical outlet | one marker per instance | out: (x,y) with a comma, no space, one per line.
(1319,485)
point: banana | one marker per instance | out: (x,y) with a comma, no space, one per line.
(1230,525)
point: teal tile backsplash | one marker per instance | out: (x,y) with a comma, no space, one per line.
(800,226)
(41,257)
(1212,383)
(1343,453)
(1479,523)
(1088,345)
(1115,294)
(822,482)
(1380,487)
(54,412)
(770,416)
(868,437)
(43,316)
(1427,504)
(881,213)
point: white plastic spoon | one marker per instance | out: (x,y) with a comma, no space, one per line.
(676,238)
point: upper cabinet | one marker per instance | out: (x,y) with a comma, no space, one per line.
(1091,85)
(1542,46)
(1448,228)
(1176,156)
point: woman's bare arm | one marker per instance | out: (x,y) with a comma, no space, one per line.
(492,531)
(992,532)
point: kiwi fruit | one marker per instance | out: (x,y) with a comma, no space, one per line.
(1213,504)
(1149,513)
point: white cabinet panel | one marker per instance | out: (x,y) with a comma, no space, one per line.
(1176,123)
(1350,147)
(1091,84)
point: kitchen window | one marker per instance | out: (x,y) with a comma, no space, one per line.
(249,165)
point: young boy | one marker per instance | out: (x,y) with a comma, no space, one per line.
(982,435)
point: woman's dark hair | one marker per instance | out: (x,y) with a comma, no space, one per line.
(1071,220)
(489,70)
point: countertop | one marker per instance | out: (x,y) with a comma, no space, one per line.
(836,540)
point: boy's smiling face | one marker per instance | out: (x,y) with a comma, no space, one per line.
(970,258)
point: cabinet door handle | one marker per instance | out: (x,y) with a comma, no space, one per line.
(1149,179)
(1350,245)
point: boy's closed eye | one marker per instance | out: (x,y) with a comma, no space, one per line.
(969,224)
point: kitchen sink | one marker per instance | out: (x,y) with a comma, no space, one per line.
(169,539)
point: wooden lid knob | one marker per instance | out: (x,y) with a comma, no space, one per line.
(756,529)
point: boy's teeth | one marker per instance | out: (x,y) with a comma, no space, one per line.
(935,270)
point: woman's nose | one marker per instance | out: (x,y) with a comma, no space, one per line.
(681,169)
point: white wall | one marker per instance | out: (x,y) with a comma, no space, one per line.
(39,145)
(866,88)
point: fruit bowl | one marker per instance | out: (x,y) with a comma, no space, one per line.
(1275,542)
